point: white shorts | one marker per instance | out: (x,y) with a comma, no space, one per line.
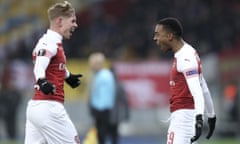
(181,128)
(47,122)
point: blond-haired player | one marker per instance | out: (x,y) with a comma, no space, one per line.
(47,121)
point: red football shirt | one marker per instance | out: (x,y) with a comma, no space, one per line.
(50,46)
(186,65)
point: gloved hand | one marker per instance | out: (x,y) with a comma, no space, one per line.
(198,128)
(73,80)
(45,86)
(211,125)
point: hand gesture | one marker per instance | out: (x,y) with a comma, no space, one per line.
(211,125)
(73,80)
(45,86)
(198,128)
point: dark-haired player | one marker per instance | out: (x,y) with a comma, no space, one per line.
(190,98)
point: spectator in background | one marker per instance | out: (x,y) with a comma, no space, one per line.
(102,97)
(10,98)
(120,111)
(231,101)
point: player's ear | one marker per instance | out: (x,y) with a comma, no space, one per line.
(58,21)
(170,36)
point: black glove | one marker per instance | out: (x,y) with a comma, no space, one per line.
(45,86)
(211,125)
(198,128)
(73,80)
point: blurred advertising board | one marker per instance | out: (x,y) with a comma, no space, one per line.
(146,83)
(230,65)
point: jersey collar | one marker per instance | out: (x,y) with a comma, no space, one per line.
(54,35)
(180,50)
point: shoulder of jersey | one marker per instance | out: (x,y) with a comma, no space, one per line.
(187,53)
(46,42)
(189,49)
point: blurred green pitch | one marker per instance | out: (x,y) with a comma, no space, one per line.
(221,141)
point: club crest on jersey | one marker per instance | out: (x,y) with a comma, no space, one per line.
(171,83)
(41,52)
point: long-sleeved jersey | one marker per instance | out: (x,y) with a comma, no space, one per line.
(188,87)
(50,63)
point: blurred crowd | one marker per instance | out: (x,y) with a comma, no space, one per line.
(124,29)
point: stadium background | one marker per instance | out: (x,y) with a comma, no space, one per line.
(123,30)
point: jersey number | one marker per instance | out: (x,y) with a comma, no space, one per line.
(170,138)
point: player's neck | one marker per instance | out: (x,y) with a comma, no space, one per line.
(54,28)
(177,45)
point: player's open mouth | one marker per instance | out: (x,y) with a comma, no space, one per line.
(72,30)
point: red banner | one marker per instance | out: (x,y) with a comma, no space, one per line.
(230,64)
(146,83)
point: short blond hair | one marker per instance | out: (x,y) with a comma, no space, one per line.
(60,9)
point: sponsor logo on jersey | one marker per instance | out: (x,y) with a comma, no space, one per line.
(62,66)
